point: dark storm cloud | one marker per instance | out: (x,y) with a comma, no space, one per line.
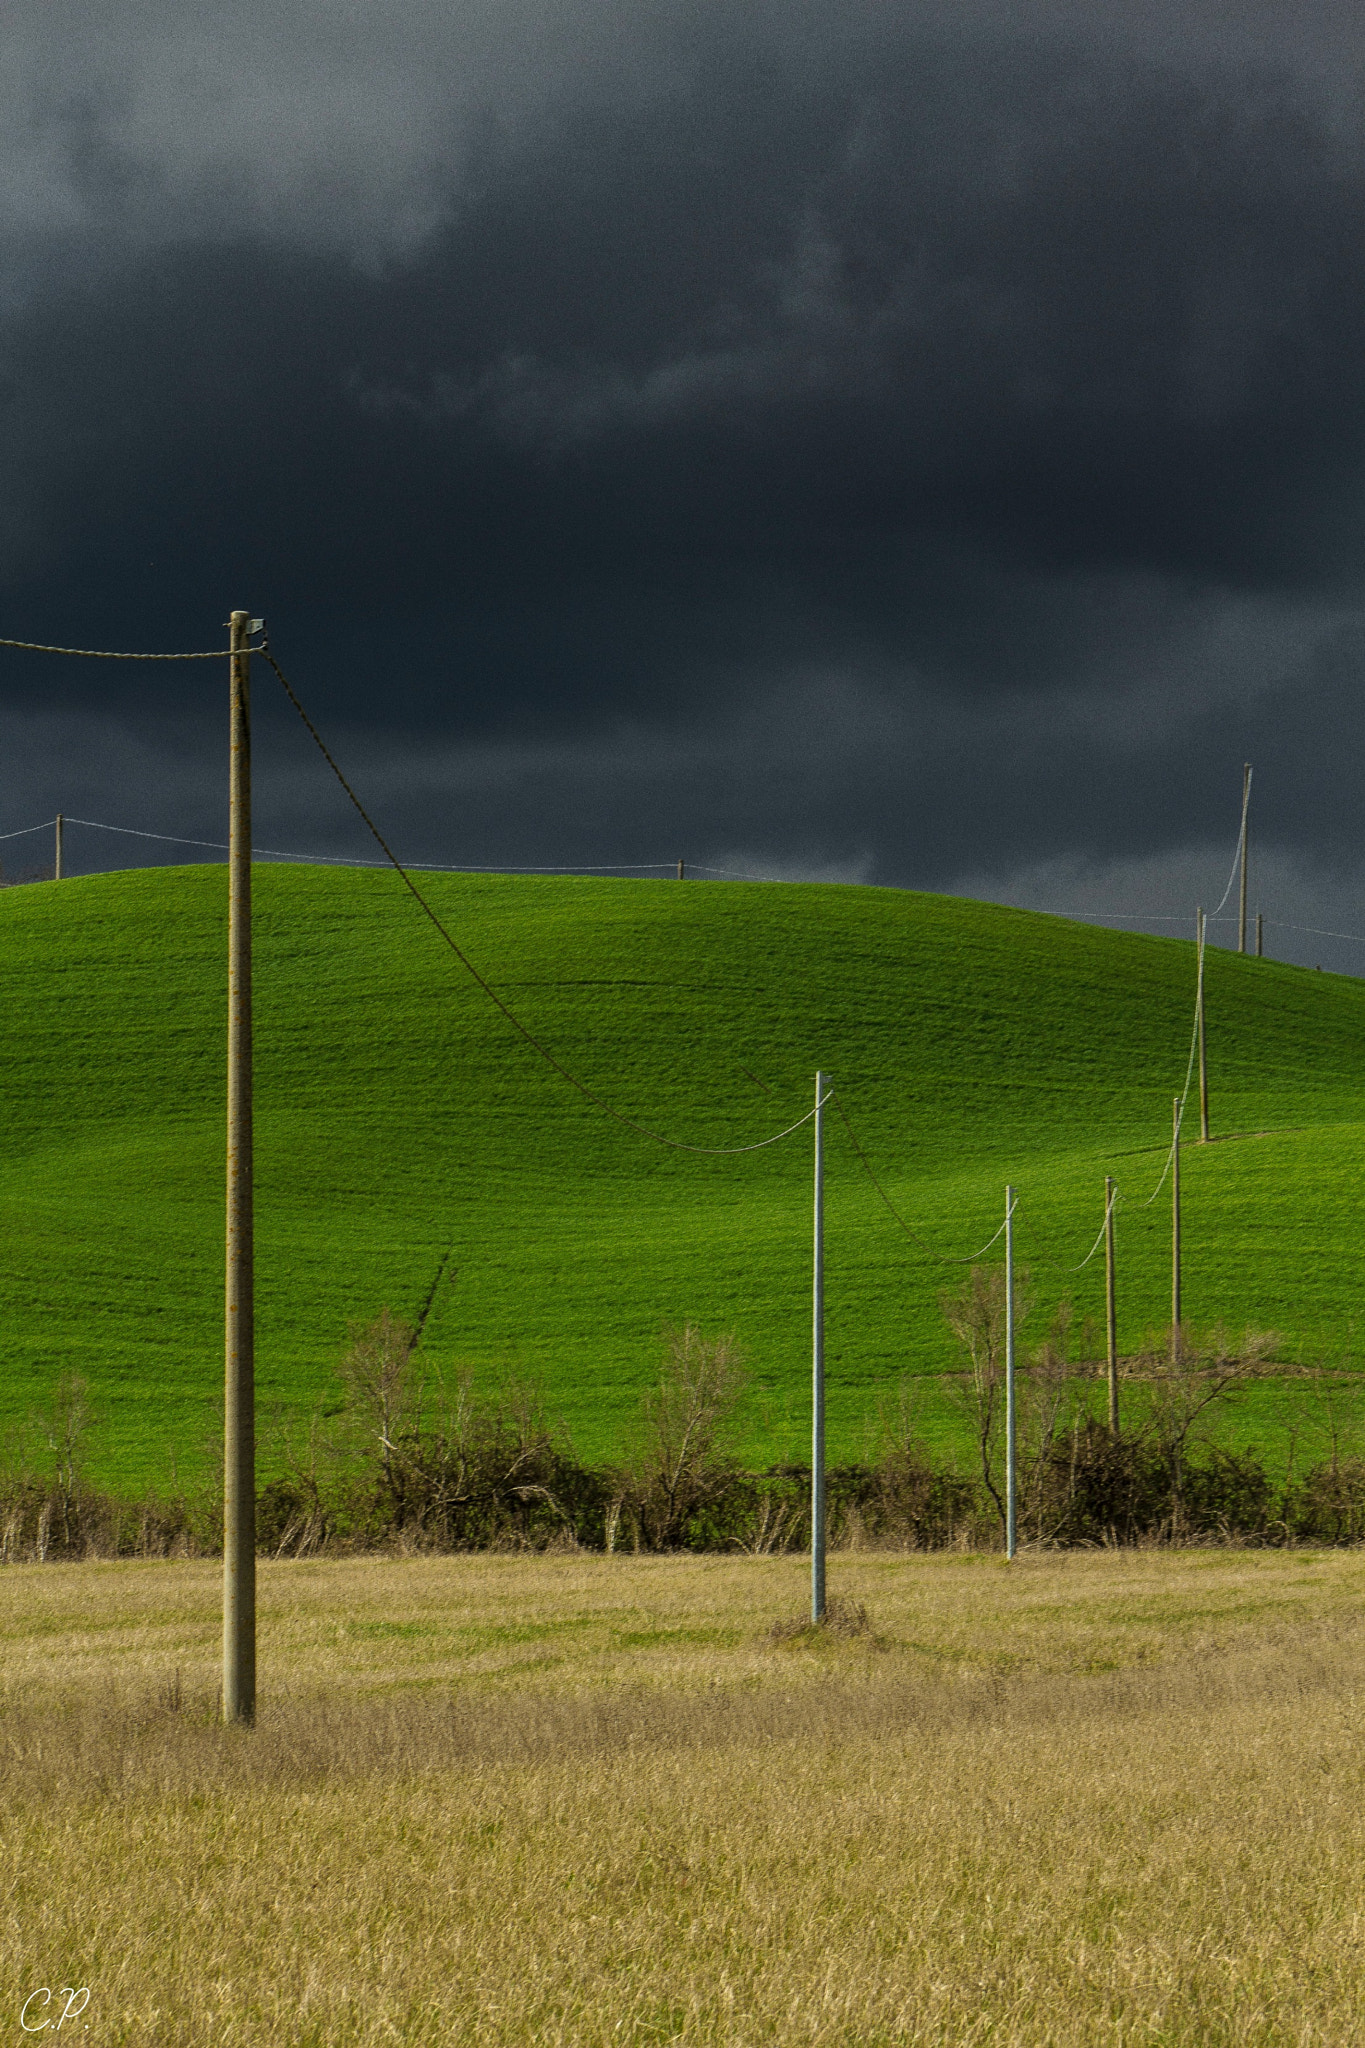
(920,450)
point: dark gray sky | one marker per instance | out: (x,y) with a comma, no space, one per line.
(919,445)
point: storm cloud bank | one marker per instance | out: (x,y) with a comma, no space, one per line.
(924,451)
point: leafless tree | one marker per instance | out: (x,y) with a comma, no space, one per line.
(683,1456)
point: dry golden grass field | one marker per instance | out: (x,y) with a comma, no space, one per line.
(1104,1798)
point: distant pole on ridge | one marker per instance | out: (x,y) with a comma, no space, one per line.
(1203,1052)
(1246,805)
(817,1441)
(1011,1474)
(57,863)
(1111,1320)
(1175,1234)
(239,1421)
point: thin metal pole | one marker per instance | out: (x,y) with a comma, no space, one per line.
(1175,1233)
(1011,1469)
(1246,805)
(57,867)
(1111,1319)
(817,1441)
(239,1439)
(1203,1052)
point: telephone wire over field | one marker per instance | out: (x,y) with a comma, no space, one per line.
(591,1095)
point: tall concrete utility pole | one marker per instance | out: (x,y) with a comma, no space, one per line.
(817,1441)
(1111,1320)
(239,1437)
(1011,1445)
(1175,1233)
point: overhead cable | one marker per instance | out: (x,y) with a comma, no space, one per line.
(945,1258)
(349,861)
(1237,857)
(107,654)
(591,1095)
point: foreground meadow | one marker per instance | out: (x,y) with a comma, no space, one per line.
(580,1800)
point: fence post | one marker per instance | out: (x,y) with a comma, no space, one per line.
(817,1442)
(57,864)
(1011,1472)
(1111,1320)
(239,1431)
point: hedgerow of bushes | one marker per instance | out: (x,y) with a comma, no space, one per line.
(408,1464)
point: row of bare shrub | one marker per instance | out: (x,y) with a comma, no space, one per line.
(50,1510)
(411,1462)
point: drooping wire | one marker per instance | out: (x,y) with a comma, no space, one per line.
(677,1144)
(945,1258)
(1189,1072)
(106,654)
(1110,1207)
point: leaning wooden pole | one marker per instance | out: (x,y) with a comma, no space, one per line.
(817,1446)
(239,1442)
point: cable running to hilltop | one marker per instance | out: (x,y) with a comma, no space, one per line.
(677,1144)
(343,860)
(1184,1093)
(1236,858)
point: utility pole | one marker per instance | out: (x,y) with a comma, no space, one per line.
(817,1443)
(239,1435)
(1111,1320)
(1011,1472)
(1203,1053)
(1175,1233)
(1246,804)
(57,865)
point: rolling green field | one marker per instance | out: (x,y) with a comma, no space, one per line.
(398,1115)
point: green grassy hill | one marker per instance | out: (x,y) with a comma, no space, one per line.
(398,1114)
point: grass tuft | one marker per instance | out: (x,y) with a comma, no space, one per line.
(842,1621)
